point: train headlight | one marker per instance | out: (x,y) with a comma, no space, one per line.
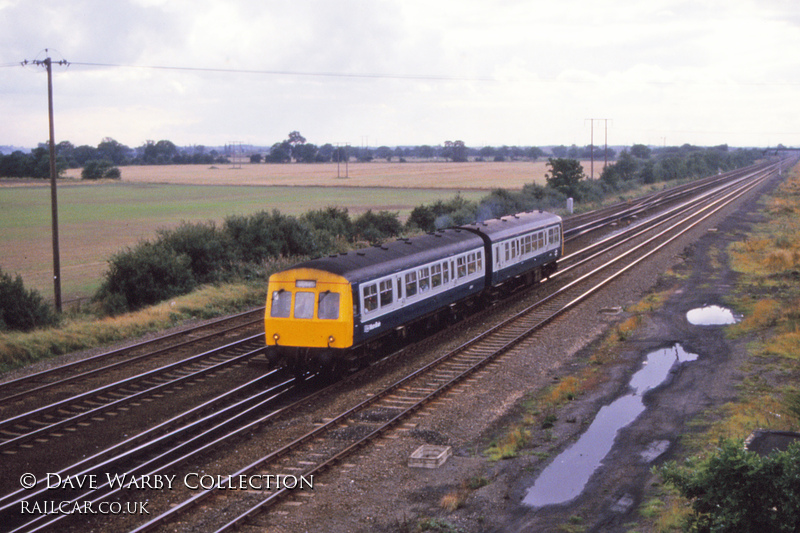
(275,337)
(330,340)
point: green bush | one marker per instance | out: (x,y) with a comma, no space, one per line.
(736,490)
(268,235)
(22,309)
(207,248)
(144,275)
(330,225)
(377,227)
(100,168)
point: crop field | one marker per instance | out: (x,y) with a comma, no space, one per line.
(415,174)
(98,219)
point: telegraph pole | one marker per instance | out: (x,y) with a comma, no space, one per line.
(48,64)
(605,161)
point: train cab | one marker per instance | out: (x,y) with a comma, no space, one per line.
(307,310)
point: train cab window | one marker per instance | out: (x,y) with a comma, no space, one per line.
(411,284)
(436,275)
(370,297)
(385,288)
(553,235)
(328,305)
(424,279)
(304,305)
(281,304)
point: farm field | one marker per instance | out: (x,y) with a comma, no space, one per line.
(414,174)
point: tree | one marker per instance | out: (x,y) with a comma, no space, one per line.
(295,140)
(279,153)
(534,153)
(114,151)
(640,151)
(100,168)
(160,153)
(305,153)
(425,151)
(565,175)
(384,152)
(456,151)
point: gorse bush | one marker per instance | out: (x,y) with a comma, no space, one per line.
(22,309)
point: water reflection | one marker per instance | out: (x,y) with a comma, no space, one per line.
(565,478)
(712,315)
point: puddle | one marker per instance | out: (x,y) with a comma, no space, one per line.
(564,479)
(712,315)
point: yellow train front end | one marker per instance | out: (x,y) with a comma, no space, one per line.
(308,321)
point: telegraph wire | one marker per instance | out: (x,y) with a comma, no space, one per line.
(419,77)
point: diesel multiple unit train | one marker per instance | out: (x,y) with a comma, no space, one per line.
(326,313)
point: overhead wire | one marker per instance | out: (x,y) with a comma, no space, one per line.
(421,77)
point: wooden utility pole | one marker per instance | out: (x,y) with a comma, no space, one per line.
(48,64)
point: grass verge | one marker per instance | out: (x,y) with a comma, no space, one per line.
(80,332)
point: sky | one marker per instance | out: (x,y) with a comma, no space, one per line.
(403,72)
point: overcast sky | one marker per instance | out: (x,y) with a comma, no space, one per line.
(397,72)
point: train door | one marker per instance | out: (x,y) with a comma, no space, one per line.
(400,295)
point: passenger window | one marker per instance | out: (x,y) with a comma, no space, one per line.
(541,239)
(370,297)
(436,275)
(328,305)
(424,279)
(461,266)
(480,260)
(446,272)
(508,256)
(386,292)
(471,263)
(281,304)
(411,284)
(304,305)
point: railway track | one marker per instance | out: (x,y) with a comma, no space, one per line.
(377,415)
(37,384)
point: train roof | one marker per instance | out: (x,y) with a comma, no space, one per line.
(498,229)
(377,261)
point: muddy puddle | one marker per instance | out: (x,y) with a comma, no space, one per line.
(711,315)
(565,478)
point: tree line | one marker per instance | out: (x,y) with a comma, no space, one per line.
(99,161)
